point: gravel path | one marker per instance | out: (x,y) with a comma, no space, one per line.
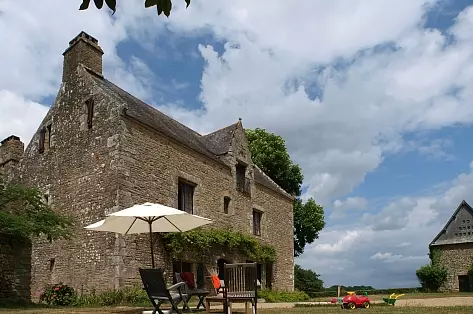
(452,301)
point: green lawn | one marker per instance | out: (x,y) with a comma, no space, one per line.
(301,310)
(419,295)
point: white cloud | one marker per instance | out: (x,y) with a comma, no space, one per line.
(369,99)
(35,33)
(391,258)
(383,241)
(19,116)
(350,203)
(366,106)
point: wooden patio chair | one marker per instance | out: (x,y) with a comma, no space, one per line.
(240,285)
(158,292)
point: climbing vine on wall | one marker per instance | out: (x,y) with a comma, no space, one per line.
(470,270)
(200,242)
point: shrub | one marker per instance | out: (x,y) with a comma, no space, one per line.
(58,294)
(283,296)
(432,277)
(132,296)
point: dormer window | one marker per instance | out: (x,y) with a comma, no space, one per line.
(241,182)
(90,112)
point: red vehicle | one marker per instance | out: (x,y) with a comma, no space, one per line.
(352,301)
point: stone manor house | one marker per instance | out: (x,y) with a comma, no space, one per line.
(100,149)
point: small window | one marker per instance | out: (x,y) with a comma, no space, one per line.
(90,112)
(46,199)
(42,137)
(186,197)
(257,222)
(463,221)
(49,129)
(52,261)
(226,204)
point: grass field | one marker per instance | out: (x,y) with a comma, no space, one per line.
(299,310)
(414,296)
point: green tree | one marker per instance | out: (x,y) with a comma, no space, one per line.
(162,6)
(269,152)
(432,276)
(24,214)
(307,280)
(308,222)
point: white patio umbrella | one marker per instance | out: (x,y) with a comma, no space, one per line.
(149,217)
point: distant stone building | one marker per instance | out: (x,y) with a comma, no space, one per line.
(100,149)
(455,243)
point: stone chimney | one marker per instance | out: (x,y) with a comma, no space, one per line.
(83,49)
(11,152)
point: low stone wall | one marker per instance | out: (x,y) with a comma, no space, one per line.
(15,270)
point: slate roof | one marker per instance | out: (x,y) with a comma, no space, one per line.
(437,242)
(219,142)
(211,145)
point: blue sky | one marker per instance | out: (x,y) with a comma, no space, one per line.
(373,99)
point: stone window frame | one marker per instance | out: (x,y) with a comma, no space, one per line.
(186,177)
(227,201)
(231,207)
(258,209)
(89,106)
(240,176)
(181,195)
(42,140)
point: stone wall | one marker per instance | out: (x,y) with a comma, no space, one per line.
(76,174)
(277,230)
(15,270)
(11,152)
(457,259)
(151,166)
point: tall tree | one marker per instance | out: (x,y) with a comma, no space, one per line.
(162,6)
(24,214)
(269,152)
(307,280)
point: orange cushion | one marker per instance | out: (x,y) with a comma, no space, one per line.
(215,282)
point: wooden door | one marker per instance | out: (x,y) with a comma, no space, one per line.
(464,283)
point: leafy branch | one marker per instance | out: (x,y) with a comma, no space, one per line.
(24,214)
(201,241)
(162,6)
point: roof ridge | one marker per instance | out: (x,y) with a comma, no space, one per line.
(221,129)
(153,108)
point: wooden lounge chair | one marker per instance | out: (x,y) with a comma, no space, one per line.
(158,292)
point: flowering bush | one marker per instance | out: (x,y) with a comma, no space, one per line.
(58,294)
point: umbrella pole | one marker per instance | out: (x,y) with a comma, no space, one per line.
(151,243)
